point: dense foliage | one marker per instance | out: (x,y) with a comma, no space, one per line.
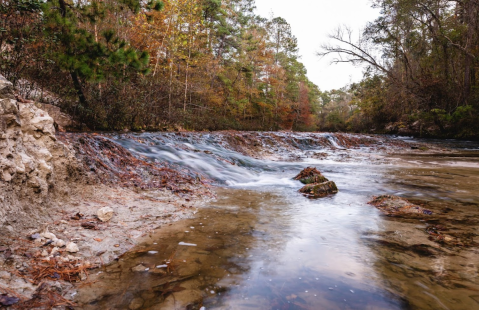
(198,64)
(422,78)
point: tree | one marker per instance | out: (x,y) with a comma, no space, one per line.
(75,48)
(425,53)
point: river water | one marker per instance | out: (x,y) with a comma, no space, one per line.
(262,245)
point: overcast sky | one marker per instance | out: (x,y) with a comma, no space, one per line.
(311,22)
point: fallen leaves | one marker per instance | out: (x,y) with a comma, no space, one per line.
(57,269)
(113,163)
(77,216)
(45,297)
(89,225)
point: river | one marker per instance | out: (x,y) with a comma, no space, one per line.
(262,245)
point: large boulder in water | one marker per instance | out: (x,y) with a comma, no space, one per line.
(319,190)
(317,185)
(310,176)
(397,206)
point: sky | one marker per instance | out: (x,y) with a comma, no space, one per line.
(311,22)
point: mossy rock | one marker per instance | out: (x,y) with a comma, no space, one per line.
(311,176)
(314,179)
(319,190)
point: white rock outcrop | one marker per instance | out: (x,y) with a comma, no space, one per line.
(31,159)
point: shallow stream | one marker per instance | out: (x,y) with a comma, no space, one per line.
(262,245)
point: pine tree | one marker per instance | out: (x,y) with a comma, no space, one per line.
(76,49)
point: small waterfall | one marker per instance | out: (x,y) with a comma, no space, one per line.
(229,158)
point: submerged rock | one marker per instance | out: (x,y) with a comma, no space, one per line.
(317,185)
(396,206)
(136,303)
(139,268)
(185,299)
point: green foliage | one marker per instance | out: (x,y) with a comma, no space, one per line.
(425,81)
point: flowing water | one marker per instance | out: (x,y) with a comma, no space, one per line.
(262,245)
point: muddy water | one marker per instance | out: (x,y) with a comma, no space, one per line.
(261,245)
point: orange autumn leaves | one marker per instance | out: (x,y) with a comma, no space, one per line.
(219,60)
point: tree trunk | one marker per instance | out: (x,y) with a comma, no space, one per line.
(78,88)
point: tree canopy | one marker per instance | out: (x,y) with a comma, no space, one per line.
(198,64)
(421,77)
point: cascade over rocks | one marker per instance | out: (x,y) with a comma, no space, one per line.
(317,185)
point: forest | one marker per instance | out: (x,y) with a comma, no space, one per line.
(421,59)
(128,64)
(215,64)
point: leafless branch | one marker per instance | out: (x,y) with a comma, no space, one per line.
(354,52)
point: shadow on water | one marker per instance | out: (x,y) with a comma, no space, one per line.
(261,245)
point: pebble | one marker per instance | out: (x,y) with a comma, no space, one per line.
(139,268)
(105,214)
(54,251)
(39,241)
(72,247)
(59,243)
(5,275)
(48,235)
(35,236)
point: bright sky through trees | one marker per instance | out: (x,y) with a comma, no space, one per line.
(312,21)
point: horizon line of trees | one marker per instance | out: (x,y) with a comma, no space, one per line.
(197,64)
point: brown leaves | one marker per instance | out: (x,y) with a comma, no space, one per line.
(89,225)
(57,269)
(77,216)
(112,163)
(45,297)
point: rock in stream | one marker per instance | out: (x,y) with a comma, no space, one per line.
(317,185)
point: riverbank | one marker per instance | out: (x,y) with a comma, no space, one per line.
(52,188)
